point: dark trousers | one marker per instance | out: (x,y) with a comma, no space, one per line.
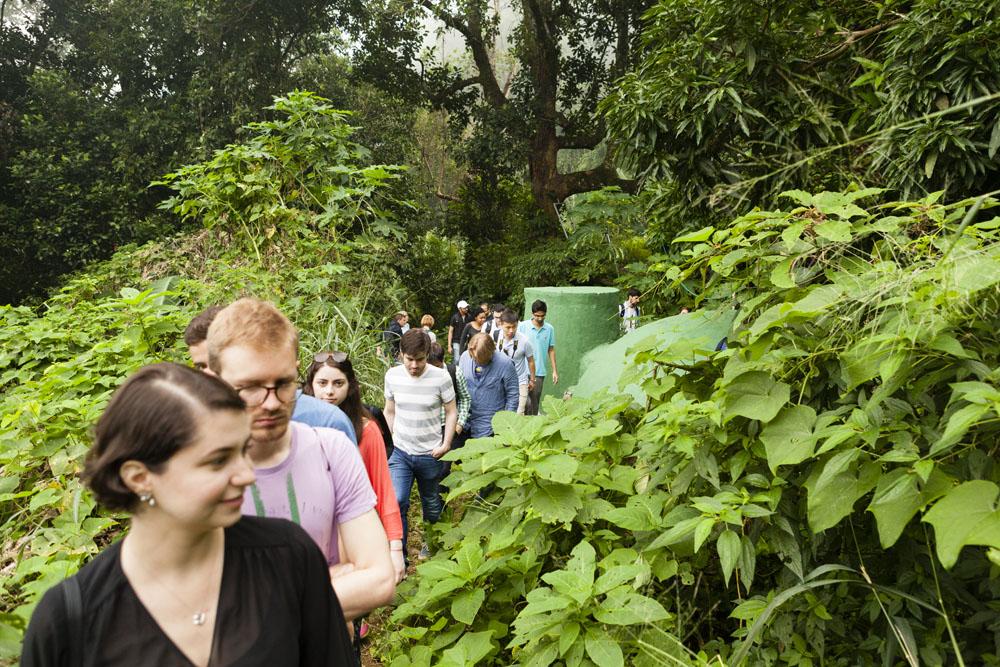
(535,396)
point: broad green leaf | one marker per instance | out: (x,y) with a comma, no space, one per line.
(968,514)
(788,438)
(556,503)
(699,236)
(959,424)
(677,533)
(702,531)
(728,546)
(834,487)
(475,646)
(555,467)
(630,609)
(569,633)
(466,605)
(781,274)
(617,576)
(602,649)
(755,395)
(896,500)
(838,231)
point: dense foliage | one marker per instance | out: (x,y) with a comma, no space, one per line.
(735,102)
(817,493)
(287,217)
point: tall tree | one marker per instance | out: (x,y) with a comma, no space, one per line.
(564,56)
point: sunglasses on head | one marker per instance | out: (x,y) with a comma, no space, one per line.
(336,357)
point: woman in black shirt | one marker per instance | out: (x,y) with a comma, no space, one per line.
(192,583)
(471,329)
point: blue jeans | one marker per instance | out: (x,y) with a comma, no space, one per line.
(428,471)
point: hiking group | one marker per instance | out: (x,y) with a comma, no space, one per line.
(283,575)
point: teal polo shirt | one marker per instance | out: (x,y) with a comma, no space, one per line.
(541,339)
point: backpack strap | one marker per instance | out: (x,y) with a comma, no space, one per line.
(74,614)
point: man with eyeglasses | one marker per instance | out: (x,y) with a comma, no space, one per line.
(312,476)
(308,410)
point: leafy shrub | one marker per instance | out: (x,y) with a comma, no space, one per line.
(817,493)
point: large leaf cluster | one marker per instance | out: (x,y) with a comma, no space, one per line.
(821,491)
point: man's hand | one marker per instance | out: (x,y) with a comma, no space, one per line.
(458,428)
(555,376)
(441,450)
(531,384)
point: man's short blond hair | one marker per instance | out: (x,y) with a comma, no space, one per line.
(251,322)
(481,348)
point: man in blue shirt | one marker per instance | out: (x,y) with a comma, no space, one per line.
(543,340)
(492,384)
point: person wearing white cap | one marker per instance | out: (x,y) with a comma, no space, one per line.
(455,327)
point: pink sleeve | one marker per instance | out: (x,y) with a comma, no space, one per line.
(372,448)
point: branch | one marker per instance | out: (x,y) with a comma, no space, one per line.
(564,185)
(447,197)
(852,37)
(473,33)
(438,98)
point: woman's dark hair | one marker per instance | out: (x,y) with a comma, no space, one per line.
(352,405)
(150,418)
(436,355)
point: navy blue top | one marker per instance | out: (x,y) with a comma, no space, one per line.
(313,412)
(492,388)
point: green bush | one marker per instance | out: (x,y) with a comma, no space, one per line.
(821,492)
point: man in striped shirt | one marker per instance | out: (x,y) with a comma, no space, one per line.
(414,395)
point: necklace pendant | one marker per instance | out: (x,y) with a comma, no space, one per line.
(199,618)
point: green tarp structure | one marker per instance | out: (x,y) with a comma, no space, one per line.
(583,318)
(602,366)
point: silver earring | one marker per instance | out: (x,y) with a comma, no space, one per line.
(147,498)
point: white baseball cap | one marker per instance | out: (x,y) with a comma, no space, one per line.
(462,304)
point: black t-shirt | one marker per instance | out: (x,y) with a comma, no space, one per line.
(276,607)
(458,322)
(468,332)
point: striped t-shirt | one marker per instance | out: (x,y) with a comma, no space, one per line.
(417,425)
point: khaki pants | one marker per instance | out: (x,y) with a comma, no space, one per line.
(522,397)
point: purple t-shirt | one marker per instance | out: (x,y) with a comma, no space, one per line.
(322,483)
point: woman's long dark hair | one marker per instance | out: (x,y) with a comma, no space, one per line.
(352,406)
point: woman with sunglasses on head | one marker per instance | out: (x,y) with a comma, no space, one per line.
(193,582)
(331,378)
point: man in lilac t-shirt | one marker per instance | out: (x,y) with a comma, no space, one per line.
(301,486)
(312,476)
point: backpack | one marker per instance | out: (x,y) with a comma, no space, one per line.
(383,426)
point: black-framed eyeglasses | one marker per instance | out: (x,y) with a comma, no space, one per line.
(337,357)
(257,395)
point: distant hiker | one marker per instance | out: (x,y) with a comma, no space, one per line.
(196,333)
(493,323)
(543,341)
(331,378)
(427,324)
(518,348)
(313,476)
(392,334)
(415,392)
(629,311)
(462,398)
(456,325)
(193,581)
(308,410)
(492,384)
(472,328)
